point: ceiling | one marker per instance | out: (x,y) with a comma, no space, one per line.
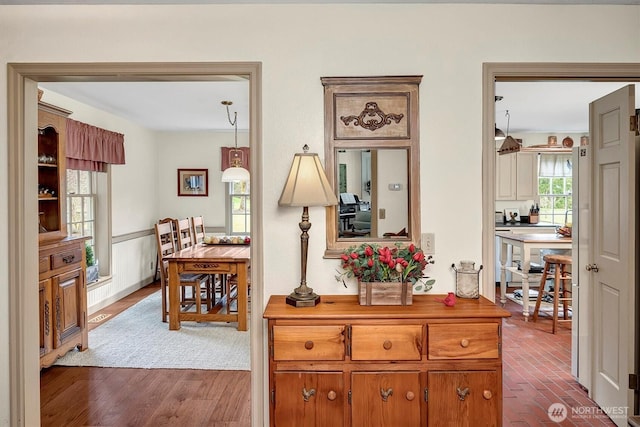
(143,2)
(165,106)
(196,106)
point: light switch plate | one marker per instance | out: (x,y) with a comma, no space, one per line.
(429,243)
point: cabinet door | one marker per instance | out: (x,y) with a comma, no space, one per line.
(527,176)
(308,399)
(464,398)
(385,399)
(68,296)
(46,317)
(506,177)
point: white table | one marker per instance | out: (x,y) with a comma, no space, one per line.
(526,243)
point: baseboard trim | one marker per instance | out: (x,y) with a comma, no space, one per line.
(118,296)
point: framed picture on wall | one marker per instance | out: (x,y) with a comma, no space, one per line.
(193,182)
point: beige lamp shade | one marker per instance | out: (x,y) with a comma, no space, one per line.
(307,184)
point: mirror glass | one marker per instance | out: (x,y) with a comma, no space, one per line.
(372,187)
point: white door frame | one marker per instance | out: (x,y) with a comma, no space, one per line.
(512,71)
(22,236)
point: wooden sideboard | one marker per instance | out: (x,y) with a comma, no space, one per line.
(63,298)
(343,364)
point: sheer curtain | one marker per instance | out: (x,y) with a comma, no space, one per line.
(91,148)
(552,165)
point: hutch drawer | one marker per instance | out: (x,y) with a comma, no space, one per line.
(464,341)
(308,342)
(386,342)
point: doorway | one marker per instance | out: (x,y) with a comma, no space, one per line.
(531,72)
(23,240)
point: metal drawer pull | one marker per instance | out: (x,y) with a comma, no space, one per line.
(68,259)
(410,396)
(462,393)
(487,394)
(387,345)
(307,394)
(464,343)
(308,345)
(332,395)
(385,394)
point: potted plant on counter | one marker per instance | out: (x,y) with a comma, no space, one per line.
(386,275)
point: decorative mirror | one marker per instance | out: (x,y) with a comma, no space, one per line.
(372,160)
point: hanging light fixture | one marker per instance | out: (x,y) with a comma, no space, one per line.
(235,172)
(509,145)
(499,134)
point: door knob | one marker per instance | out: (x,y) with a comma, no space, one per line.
(592,267)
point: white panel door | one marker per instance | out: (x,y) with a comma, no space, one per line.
(613,253)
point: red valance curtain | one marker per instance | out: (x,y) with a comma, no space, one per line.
(91,148)
(228,153)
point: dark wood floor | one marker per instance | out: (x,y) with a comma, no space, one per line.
(536,374)
(81,396)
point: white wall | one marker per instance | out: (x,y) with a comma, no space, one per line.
(193,150)
(297,45)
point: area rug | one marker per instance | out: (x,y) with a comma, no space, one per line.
(545,307)
(136,338)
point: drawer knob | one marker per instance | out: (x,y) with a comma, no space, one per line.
(410,396)
(387,345)
(68,259)
(332,395)
(464,343)
(308,345)
(487,394)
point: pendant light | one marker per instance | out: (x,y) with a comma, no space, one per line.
(498,134)
(235,172)
(509,145)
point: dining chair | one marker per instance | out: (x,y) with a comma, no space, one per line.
(197,229)
(166,244)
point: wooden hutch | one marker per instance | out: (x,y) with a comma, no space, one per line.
(62,259)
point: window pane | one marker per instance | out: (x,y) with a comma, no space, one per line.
(557,186)
(72,181)
(85,182)
(88,208)
(544,186)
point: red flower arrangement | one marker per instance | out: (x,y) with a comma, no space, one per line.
(370,262)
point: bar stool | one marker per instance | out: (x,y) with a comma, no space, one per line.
(561,290)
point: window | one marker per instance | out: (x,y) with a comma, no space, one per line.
(88,213)
(81,201)
(555,188)
(239,218)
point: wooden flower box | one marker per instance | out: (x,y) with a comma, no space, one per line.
(385,293)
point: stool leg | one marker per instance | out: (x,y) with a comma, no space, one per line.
(565,305)
(543,281)
(556,295)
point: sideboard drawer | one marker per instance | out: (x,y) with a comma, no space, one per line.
(308,342)
(463,341)
(382,342)
(66,258)
(43,264)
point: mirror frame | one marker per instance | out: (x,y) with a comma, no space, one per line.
(405,87)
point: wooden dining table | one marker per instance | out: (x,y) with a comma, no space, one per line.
(209,259)
(526,243)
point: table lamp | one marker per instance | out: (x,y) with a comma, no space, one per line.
(306,185)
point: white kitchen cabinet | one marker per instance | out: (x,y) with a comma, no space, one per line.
(517,176)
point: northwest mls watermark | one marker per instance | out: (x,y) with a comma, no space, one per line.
(558,412)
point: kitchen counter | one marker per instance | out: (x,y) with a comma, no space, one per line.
(523,224)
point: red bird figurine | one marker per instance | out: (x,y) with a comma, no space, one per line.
(449,300)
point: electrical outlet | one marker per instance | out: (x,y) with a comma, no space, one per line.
(429,243)
(150,265)
(382,213)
